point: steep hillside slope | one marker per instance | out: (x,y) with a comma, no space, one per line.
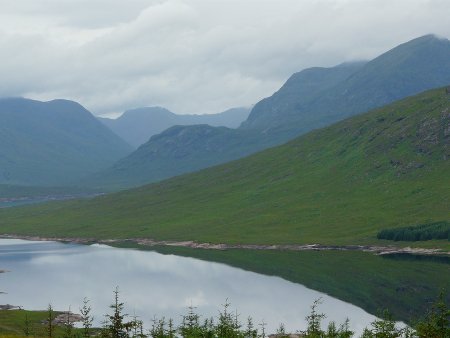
(155,160)
(310,99)
(138,125)
(53,143)
(410,68)
(298,91)
(177,150)
(337,185)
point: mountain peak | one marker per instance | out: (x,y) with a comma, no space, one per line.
(430,37)
(316,96)
(425,41)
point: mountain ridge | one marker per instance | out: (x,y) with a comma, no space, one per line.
(337,185)
(52,143)
(136,126)
(310,99)
(407,69)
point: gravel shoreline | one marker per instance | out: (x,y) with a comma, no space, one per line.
(378,250)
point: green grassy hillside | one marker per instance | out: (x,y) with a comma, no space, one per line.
(338,185)
(177,150)
(310,99)
(301,105)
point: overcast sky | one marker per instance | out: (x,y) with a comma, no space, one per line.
(192,56)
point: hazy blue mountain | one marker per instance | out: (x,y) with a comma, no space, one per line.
(138,125)
(203,146)
(53,143)
(310,99)
(300,89)
(178,150)
(306,102)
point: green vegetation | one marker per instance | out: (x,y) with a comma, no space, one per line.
(227,324)
(338,185)
(49,323)
(311,99)
(177,150)
(422,232)
(23,323)
(317,97)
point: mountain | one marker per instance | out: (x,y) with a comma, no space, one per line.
(310,99)
(177,150)
(337,185)
(138,125)
(53,143)
(306,101)
(300,89)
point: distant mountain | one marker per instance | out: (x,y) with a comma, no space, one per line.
(310,99)
(338,185)
(159,157)
(317,97)
(335,186)
(177,150)
(138,125)
(53,143)
(299,90)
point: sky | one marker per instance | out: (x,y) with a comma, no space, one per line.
(192,56)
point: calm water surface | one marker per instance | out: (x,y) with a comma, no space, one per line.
(152,284)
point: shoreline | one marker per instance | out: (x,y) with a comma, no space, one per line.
(377,250)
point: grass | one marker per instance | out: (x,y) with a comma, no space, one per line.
(12,323)
(337,185)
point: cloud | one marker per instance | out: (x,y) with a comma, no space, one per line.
(196,56)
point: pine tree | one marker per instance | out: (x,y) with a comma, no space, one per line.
(87,319)
(50,318)
(250,331)
(171,331)
(26,329)
(190,326)
(314,321)
(383,328)
(263,325)
(116,319)
(68,325)
(158,328)
(437,321)
(281,331)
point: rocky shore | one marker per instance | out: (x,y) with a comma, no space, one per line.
(378,250)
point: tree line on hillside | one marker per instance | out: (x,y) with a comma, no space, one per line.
(422,232)
(117,324)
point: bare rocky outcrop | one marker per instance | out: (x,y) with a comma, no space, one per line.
(65,317)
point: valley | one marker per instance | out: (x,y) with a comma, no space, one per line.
(386,166)
(334,187)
